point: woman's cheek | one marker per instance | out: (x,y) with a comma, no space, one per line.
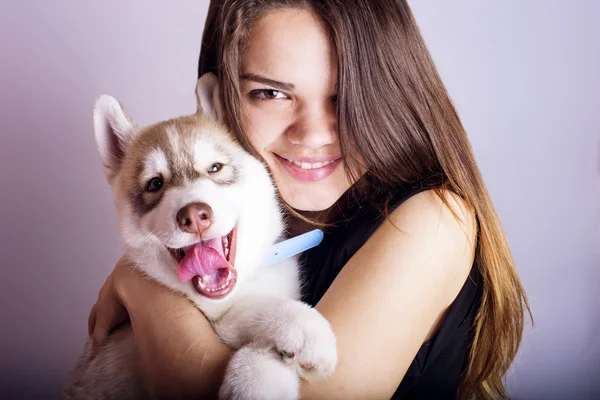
(262,131)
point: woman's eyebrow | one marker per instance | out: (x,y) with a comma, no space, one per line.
(267,81)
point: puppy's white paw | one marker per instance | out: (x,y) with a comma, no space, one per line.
(305,340)
(257,374)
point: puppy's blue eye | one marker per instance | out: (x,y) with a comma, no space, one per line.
(216,167)
(154,185)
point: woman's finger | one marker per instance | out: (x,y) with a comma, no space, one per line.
(106,286)
(92,320)
(110,314)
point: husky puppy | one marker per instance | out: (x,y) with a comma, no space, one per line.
(199,215)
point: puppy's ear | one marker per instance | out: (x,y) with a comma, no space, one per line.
(114,131)
(208,97)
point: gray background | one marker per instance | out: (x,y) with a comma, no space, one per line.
(524,76)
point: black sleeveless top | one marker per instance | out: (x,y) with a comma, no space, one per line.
(435,371)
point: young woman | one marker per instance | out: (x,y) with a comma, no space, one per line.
(344,104)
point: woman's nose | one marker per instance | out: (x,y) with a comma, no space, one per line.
(315,127)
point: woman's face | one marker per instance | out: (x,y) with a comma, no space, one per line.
(288,82)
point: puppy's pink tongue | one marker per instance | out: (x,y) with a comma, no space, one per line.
(212,274)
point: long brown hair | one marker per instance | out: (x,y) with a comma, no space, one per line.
(394,112)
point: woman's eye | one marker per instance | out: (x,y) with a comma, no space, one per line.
(216,167)
(268,94)
(154,185)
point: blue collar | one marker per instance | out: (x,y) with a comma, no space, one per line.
(290,247)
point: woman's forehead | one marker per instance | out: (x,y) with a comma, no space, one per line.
(290,45)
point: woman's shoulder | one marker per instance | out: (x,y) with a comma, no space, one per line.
(437,212)
(419,218)
(414,210)
(440,228)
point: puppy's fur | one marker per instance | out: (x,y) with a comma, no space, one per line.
(277,338)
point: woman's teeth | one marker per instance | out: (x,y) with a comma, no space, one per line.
(305,165)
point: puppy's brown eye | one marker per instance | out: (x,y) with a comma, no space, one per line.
(216,167)
(154,185)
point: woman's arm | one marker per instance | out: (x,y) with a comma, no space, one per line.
(387,300)
(393,294)
(181,356)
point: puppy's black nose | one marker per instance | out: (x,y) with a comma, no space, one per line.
(194,218)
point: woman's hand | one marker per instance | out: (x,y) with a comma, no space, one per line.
(109,312)
(180,354)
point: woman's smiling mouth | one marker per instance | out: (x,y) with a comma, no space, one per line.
(311,169)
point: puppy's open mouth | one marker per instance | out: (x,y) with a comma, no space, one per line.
(209,265)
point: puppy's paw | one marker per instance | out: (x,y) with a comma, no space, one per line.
(256,374)
(305,340)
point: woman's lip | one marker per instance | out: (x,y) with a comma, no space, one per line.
(308,175)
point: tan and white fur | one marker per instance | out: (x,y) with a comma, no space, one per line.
(278,339)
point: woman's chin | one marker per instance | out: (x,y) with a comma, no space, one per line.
(310,200)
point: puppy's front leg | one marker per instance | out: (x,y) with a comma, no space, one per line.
(295,330)
(278,339)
